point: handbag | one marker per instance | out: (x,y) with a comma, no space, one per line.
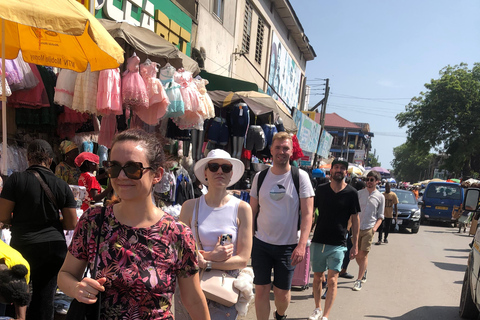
(217,285)
(82,311)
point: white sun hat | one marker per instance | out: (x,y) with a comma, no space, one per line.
(238,166)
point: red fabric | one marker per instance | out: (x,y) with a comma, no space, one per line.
(297,151)
(246,154)
(86,156)
(88,181)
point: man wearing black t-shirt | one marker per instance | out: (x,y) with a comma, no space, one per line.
(336,202)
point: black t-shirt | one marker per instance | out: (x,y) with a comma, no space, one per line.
(334,210)
(35,219)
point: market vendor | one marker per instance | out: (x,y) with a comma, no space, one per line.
(66,169)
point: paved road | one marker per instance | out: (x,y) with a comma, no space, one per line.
(414,277)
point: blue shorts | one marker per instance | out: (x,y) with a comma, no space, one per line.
(218,132)
(270,131)
(324,256)
(266,256)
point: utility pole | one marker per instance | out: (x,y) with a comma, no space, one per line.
(322,115)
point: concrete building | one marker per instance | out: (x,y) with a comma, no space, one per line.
(351,141)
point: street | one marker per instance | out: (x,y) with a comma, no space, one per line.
(414,276)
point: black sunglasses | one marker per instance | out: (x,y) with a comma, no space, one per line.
(226,168)
(372,179)
(133,170)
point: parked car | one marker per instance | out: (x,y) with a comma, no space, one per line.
(408,211)
(470,296)
(438,201)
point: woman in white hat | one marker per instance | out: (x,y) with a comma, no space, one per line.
(219,213)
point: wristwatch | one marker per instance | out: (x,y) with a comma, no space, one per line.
(209,266)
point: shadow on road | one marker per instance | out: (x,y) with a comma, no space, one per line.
(457,257)
(425,313)
(459,250)
(450,266)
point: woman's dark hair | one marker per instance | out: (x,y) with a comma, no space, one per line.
(39,151)
(153,147)
(13,286)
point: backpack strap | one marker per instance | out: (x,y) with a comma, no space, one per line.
(261,177)
(296,181)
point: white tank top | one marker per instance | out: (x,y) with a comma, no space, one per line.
(213,222)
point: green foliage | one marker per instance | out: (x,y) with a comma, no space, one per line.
(373,160)
(411,161)
(447,116)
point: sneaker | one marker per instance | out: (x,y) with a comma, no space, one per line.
(364,278)
(357,286)
(278,317)
(324,318)
(317,314)
(379,242)
(346,275)
(385,241)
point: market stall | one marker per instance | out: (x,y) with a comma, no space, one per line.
(57,33)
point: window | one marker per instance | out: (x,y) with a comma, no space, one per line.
(259,45)
(247,27)
(218,8)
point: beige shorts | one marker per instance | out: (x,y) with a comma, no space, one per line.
(365,239)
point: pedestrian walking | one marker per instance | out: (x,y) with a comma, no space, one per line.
(372,204)
(276,244)
(337,203)
(391,201)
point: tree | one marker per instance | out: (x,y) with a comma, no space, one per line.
(373,160)
(411,161)
(447,116)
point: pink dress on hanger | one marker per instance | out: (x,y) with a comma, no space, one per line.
(134,92)
(85,94)
(192,119)
(33,98)
(157,96)
(65,88)
(109,100)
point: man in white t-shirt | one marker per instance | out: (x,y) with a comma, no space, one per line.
(276,243)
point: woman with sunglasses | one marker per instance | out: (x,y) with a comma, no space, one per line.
(219,213)
(143,251)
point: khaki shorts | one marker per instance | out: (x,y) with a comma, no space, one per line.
(365,239)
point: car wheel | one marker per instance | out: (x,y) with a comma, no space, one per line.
(415,229)
(468,309)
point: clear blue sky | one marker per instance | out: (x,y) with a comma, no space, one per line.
(379,54)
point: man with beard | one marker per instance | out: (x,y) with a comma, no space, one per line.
(276,244)
(337,202)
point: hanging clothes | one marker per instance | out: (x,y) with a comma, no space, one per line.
(206,105)
(85,93)
(65,88)
(108,130)
(33,98)
(29,80)
(157,97)
(13,76)
(109,94)
(184,189)
(192,118)
(176,107)
(134,92)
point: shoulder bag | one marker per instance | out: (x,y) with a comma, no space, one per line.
(217,285)
(82,311)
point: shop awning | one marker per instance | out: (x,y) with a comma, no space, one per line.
(217,82)
(147,44)
(259,103)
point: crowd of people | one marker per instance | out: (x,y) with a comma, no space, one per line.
(145,254)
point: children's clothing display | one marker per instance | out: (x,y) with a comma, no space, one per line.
(134,92)
(157,97)
(65,88)
(176,108)
(85,94)
(109,94)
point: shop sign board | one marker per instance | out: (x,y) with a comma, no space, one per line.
(146,16)
(359,156)
(308,131)
(284,75)
(325,144)
(306,160)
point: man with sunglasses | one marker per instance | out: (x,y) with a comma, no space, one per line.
(337,203)
(276,244)
(372,204)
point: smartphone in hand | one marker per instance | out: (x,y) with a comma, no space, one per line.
(226,239)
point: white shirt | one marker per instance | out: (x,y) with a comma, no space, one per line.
(372,206)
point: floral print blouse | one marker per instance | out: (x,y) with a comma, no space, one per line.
(141,264)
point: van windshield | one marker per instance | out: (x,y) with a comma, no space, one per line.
(444,191)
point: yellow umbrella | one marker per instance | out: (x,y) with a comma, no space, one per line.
(355,169)
(56,33)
